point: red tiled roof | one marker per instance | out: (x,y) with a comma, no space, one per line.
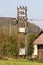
(39,38)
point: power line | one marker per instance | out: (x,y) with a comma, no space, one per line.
(35,19)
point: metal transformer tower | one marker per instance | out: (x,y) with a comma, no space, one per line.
(22,28)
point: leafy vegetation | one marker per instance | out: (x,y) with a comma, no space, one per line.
(8,36)
(8,45)
(31,37)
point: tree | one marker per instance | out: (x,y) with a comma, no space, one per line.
(31,37)
(11,45)
(8,44)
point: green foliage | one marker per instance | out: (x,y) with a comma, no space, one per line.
(22,40)
(8,45)
(12,41)
(31,37)
(22,43)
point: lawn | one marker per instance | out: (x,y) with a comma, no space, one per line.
(19,62)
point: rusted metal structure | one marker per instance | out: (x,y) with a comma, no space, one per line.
(22,28)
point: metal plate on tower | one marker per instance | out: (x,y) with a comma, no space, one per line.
(22,51)
(22,30)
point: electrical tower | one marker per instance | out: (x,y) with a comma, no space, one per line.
(22,26)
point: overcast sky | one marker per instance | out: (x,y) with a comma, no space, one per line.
(8,8)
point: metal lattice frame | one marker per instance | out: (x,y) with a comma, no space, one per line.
(22,11)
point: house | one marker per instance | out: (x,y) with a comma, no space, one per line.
(38,46)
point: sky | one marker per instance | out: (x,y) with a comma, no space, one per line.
(8,8)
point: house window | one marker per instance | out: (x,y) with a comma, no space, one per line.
(40,46)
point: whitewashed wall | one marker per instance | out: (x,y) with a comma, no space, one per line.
(35,50)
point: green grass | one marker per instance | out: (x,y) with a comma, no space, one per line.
(19,62)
